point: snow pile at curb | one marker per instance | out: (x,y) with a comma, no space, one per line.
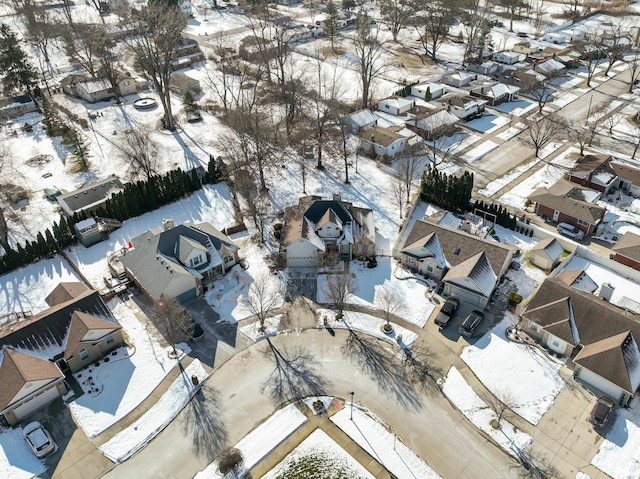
(129,441)
(261,441)
(480,414)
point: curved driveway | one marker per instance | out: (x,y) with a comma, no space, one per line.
(243,392)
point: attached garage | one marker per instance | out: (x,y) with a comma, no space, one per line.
(302,254)
(32,403)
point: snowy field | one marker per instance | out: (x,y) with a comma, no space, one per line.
(481,415)
(127,442)
(126,380)
(318,445)
(520,373)
(26,288)
(375,438)
(487,123)
(262,440)
(16,458)
(618,453)
(414,306)
(479,151)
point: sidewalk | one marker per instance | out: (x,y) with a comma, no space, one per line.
(319,421)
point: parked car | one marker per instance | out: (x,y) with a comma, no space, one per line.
(601,412)
(39,439)
(447,312)
(522,34)
(570,231)
(471,323)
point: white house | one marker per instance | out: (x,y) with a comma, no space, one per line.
(386,142)
(508,58)
(484,68)
(359,120)
(396,105)
(463,106)
(16,106)
(432,124)
(436,90)
(550,67)
(458,79)
(316,228)
(185,7)
(495,93)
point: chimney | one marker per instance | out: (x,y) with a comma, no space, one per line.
(167,224)
(337,197)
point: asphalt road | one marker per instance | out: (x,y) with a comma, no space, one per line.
(242,394)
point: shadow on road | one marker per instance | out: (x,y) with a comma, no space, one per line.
(535,466)
(380,365)
(295,375)
(203,423)
(418,364)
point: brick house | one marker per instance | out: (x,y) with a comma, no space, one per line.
(627,250)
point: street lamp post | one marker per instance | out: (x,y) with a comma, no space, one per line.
(351,415)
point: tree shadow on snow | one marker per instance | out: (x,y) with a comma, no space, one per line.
(294,377)
(203,422)
(371,355)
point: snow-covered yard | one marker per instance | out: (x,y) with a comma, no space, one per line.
(618,453)
(125,381)
(528,380)
(481,415)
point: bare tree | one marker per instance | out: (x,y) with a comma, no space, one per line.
(513,8)
(83,43)
(538,11)
(540,90)
(368,49)
(407,171)
(263,298)
(539,132)
(339,288)
(395,14)
(591,51)
(445,146)
(159,28)
(615,41)
(432,21)
(389,301)
(140,152)
(634,69)
(172,320)
(477,29)
(398,192)
(502,404)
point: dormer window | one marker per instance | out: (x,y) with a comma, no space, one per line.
(196,260)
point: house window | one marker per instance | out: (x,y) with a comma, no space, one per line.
(228,259)
(195,261)
(109,339)
(556,343)
(429,268)
(583,223)
(84,354)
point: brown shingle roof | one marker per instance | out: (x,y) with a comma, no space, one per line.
(17,369)
(465,244)
(81,324)
(64,292)
(629,246)
(567,198)
(590,163)
(626,172)
(382,136)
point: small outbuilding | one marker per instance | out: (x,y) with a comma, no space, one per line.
(546,254)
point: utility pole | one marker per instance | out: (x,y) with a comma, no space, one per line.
(351,415)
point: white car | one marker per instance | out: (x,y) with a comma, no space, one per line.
(570,231)
(39,439)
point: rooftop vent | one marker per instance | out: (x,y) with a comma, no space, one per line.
(456,250)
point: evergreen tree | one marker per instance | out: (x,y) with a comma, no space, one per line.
(51,242)
(427,94)
(16,71)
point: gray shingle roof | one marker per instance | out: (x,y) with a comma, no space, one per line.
(91,194)
(629,246)
(568,198)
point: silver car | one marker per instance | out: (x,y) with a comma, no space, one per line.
(39,439)
(570,231)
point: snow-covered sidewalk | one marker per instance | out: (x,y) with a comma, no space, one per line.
(481,415)
(262,440)
(383,446)
(129,441)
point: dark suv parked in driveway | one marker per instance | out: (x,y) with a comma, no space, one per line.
(601,412)
(447,312)
(471,323)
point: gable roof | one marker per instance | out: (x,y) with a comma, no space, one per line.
(19,368)
(476,273)
(362,118)
(551,246)
(83,323)
(570,199)
(590,163)
(91,194)
(628,245)
(578,279)
(615,358)
(64,292)
(459,246)
(382,136)
(47,331)
(626,172)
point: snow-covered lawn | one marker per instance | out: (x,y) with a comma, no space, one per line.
(16,457)
(26,288)
(481,415)
(126,380)
(127,442)
(366,323)
(496,185)
(515,108)
(487,123)
(375,438)
(416,308)
(262,440)
(335,460)
(544,177)
(618,453)
(519,373)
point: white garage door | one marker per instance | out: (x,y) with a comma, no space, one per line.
(36,402)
